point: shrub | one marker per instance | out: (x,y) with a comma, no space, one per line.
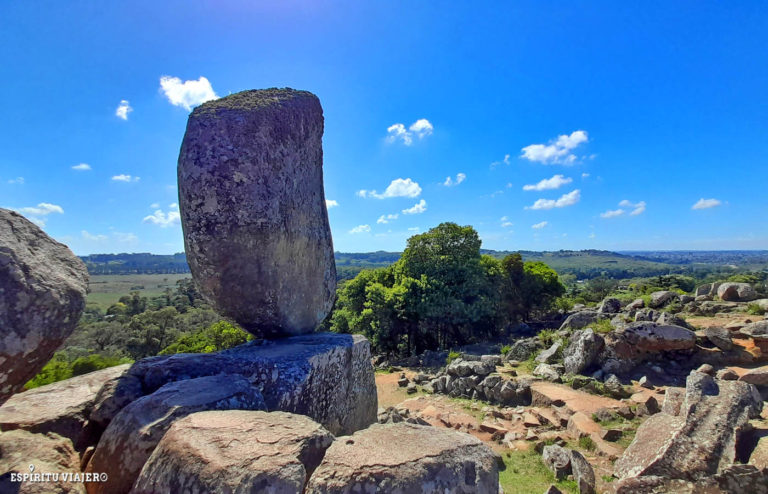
(602,326)
(84,365)
(755,310)
(505,349)
(587,443)
(452,355)
(547,336)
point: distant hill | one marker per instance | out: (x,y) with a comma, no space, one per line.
(584,264)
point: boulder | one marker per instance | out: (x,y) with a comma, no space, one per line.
(720,337)
(132,435)
(550,355)
(646,315)
(523,349)
(42,294)
(62,407)
(49,453)
(762,303)
(701,440)
(653,338)
(406,458)
(582,351)
(758,376)
(325,376)
(609,305)
(558,460)
(463,368)
(581,319)
(635,305)
(704,290)
(583,473)
(662,298)
(736,292)
(235,451)
(548,372)
(756,330)
(253,210)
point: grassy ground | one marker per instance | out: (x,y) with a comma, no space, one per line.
(525,473)
(106,289)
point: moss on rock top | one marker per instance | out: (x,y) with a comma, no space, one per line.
(252,99)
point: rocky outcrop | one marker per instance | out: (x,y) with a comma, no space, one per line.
(736,292)
(609,305)
(49,453)
(406,458)
(582,351)
(63,407)
(699,442)
(641,340)
(757,376)
(325,376)
(582,319)
(551,354)
(253,210)
(133,434)
(523,349)
(662,298)
(235,451)
(42,294)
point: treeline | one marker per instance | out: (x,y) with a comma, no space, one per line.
(178,321)
(442,292)
(143,263)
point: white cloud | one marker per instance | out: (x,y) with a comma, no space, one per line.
(421,128)
(162,219)
(173,205)
(565,200)
(37,214)
(592,235)
(93,238)
(82,167)
(417,208)
(330,203)
(612,213)
(17,180)
(636,209)
(460,177)
(123,109)
(557,150)
(154,205)
(585,175)
(361,229)
(187,94)
(706,203)
(539,226)
(125,238)
(507,224)
(506,161)
(549,183)
(384,219)
(397,188)
(125,178)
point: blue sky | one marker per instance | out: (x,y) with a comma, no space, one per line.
(639,126)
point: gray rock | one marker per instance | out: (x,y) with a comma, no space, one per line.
(583,473)
(558,460)
(614,387)
(609,305)
(463,368)
(406,458)
(582,351)
(49,453)
(635,305)
(132,435)
(736,292)
(547,372)
(325,376)
(669,319)
(756,330)
(646,315)
(704,290)
(550,355)
(673,401)
(63,407)
(757,376)
(235,451)
(662,298)
(253,210)
(42,294)
(581,319)
(720,337)
(523,349)
(653,338)
(727,375)
(701,440)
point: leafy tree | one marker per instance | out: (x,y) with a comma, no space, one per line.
(219,336)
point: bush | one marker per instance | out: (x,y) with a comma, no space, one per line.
(452,356)
(84,365)
(505,349)
(755,310)
(219,336)
(602,326)
(57,369)
(587,443)
(547,336)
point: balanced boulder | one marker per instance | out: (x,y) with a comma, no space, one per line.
(235,451)
(736,292)
(253,210)
(406,458)
(42,294)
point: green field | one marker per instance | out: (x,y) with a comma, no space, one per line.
(106,289)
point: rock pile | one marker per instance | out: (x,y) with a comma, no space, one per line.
(42,294)
(478,380)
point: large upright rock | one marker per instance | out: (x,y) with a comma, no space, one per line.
(42,294)
(736,292)
(253,210)
(235,451)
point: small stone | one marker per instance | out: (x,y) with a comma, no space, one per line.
(611,434)
(644,382)
(706,369)
(727,375)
